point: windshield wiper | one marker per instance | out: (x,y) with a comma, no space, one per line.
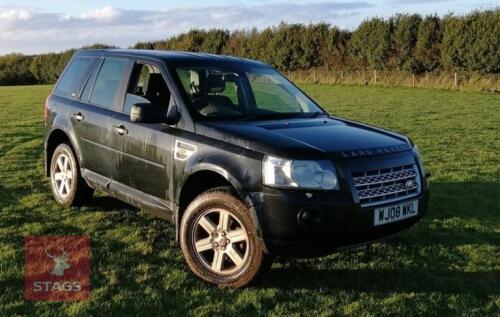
(281,115)
(315,114)
(256,116)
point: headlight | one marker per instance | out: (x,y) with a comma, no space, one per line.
(299,174)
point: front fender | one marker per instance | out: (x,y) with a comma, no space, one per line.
(239,167)
(204,166)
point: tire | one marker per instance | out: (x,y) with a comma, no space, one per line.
(210,222)
(68,187)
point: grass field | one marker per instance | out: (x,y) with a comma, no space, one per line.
(449,264)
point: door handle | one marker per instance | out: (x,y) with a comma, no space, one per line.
(120,129)
(78,116)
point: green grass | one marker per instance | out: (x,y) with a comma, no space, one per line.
(449,264)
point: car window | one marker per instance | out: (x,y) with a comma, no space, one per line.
(146,85)
(271,95)
(108,81)
(72,76)
(243,92)
(231,92)
(90,84)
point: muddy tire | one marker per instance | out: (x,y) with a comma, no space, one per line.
(219,240)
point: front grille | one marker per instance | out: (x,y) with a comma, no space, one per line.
(385,185)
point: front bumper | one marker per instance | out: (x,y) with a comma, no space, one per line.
(336,223)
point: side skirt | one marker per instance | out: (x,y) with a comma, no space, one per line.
(153,205)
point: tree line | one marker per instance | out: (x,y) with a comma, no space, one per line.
(406,42)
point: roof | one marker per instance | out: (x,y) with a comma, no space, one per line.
(175,57)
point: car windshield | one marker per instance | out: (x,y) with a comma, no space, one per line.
(255,93)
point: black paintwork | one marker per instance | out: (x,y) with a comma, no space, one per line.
(139,167)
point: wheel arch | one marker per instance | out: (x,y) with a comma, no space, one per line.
(56,137)
(208,176)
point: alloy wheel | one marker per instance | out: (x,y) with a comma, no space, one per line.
(63,176)
(220,241)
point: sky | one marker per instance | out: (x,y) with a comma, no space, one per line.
(29,26)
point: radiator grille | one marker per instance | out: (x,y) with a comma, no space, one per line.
(385,185)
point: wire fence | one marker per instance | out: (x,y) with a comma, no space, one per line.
(443,80)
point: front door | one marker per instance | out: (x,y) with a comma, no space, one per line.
(146,148)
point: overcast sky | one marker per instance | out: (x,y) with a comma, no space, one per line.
(29,26)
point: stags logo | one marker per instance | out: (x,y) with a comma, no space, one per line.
(60,262)
(57,268)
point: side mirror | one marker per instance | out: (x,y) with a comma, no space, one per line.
(147,113)
(153,113)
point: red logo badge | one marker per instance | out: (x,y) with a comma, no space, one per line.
(57,268)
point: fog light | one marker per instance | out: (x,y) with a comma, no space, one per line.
(308,217)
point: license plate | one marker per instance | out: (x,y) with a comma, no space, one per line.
(395,212)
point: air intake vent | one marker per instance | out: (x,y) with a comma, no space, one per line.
(183,150)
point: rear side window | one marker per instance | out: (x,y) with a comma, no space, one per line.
(90,84)
(108,82)
(73,77)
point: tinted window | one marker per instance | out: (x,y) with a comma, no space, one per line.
(72,77)
(107,83)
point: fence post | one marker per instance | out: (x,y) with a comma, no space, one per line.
(413,79)
(456,80)
(375,77)
(314,76)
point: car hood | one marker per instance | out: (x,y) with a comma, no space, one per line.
(305,137)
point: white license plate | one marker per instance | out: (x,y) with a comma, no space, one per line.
(395,212)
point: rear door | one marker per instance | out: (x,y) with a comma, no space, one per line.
(147,148)
(99,102)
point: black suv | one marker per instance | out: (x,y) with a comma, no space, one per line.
(243,162)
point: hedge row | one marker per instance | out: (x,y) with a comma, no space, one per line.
(408,43)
